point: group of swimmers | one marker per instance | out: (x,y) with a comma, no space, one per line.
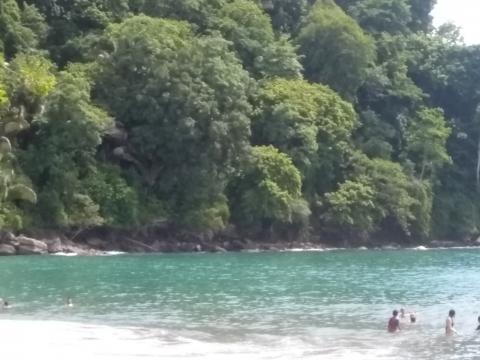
(394,322)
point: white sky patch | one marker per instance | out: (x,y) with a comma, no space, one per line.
(463,13)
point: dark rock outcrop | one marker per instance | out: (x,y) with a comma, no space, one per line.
(6,250)
(54,245)
(29,246)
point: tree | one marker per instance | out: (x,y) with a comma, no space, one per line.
(427,137)
(61,154)
(420,18)
(15,188)
(395,194)
(377,16)
(286,15)
(201,14)
(75,25)
(249,28)
(19,30)
(118,202)
(268,190)
(421,14)
(352,209)
(336,50)
(375,136)
(310,123)
(183,101)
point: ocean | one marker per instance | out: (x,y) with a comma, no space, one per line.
(283,305)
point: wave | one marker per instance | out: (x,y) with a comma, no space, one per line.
(24,339)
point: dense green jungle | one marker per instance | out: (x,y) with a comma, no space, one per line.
(271,119)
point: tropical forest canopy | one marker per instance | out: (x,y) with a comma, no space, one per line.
(298,118)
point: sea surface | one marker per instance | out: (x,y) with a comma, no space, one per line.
(292,305)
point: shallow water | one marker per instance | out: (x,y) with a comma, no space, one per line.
(301,305)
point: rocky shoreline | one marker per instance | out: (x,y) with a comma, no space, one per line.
(100,243)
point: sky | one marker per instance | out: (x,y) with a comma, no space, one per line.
(463,13)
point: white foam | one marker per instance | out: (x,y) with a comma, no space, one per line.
(305,250)
(113,253)
(65,254)
(23,339)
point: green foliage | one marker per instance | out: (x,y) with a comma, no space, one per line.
(184,105)
(427,137)
(249,28)
(128,113)
(421,14)
(34,75)
(213,216)
(17,28)
(336,50)
(118,202)
(310,123)
(352,208)
(375,136)
(199,13)
(63,151)
(286,15)
(394,192)
(377,16)
(268,190)
(13,189)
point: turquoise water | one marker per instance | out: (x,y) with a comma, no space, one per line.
(301,305)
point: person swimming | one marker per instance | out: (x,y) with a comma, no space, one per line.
(411,315)
(478,327)
(5,304)
(69,302)
(450,324)
(394,323)
(413,318)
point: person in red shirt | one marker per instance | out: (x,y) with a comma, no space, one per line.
(394,323)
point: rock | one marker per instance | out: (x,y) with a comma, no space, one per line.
(96,243)
(54,245)
(234,245)
(187,247)
(219,249)
(6,249)
(29,246)
(198,248)
(158,245)
(477,242)
(446,244)
(6,237)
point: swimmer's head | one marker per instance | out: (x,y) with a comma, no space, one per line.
(413,318)
(451,313)
(395,313)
